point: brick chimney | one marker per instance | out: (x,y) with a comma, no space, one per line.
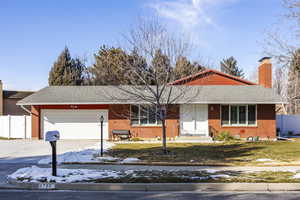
(265,72)
(1,98)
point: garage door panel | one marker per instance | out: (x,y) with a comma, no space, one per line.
(75,124)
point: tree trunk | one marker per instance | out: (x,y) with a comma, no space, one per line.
(164,137)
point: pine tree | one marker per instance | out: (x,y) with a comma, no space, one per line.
(161,69)
(184,67)
(109,66)
(66,70)
(141,67)
(229,66)
(112,67)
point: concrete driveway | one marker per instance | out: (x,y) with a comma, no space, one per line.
(30,151)
(15,154)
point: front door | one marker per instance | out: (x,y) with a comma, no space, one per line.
(194,119)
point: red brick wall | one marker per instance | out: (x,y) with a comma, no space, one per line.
(118,119)
(266,122)
(211,78)
(35,122)
(265,75)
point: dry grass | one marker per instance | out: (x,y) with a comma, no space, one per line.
(233,153)
(202,177)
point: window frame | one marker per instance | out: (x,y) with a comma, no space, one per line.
(238,114)
(157,123)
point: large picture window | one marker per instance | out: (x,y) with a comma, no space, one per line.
(238,115)
(144,115)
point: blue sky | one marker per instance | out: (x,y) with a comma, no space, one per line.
(34,32)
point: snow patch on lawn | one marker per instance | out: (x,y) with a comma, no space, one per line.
(296,176)
(264,160)
(130,160)
(219,176)
(107,159)
(36,174)
(80,156)
(210,171)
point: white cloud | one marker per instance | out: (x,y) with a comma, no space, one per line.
(188,13)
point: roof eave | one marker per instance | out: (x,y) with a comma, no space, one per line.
(107,103)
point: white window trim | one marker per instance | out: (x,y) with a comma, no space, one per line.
(139,118)
(238,125)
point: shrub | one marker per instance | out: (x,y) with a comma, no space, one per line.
(290,133)
(224,136)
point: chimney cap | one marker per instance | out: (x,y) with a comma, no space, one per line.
(264,58)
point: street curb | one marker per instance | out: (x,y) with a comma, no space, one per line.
(9,186)
(267,187)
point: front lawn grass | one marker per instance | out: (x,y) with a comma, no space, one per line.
(202,177)
(233,153)
(4,138)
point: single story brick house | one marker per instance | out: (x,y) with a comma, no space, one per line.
(220,103)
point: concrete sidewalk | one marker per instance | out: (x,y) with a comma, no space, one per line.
(122,167)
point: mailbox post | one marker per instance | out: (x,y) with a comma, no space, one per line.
(101,124)
(52,137)
(54,163)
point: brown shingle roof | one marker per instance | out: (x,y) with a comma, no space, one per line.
(10,94)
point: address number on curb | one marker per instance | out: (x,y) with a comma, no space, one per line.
(46,186)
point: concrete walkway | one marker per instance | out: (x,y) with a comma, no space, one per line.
(188,168)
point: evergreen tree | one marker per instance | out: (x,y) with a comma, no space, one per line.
(109,66)
(229,66)
(66,70)
(113,66)
(161,69)
(141,67)
(184,67)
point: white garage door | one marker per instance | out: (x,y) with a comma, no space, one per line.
(75,124)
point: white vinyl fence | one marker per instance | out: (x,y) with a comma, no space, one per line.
(288,123)
(15,127)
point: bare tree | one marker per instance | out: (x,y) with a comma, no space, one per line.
(282,46)
(280,86)
(151,89)
(149,35)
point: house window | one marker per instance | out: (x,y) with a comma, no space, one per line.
(225,115)
(251,114)
(238,115)
(144,115)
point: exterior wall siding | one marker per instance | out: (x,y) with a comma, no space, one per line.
(1,98)
(118,117)
(10,107)
(213,79)
(265,75)
(266,122)
(35,122)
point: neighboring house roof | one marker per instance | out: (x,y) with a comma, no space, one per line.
(10,94)
(227,94)
(208,72)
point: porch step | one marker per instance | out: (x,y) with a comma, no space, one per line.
(194,138)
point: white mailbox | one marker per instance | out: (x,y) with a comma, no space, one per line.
(52,136)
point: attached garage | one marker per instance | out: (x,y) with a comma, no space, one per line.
(74,124)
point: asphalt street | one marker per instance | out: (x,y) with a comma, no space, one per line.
(74,195)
